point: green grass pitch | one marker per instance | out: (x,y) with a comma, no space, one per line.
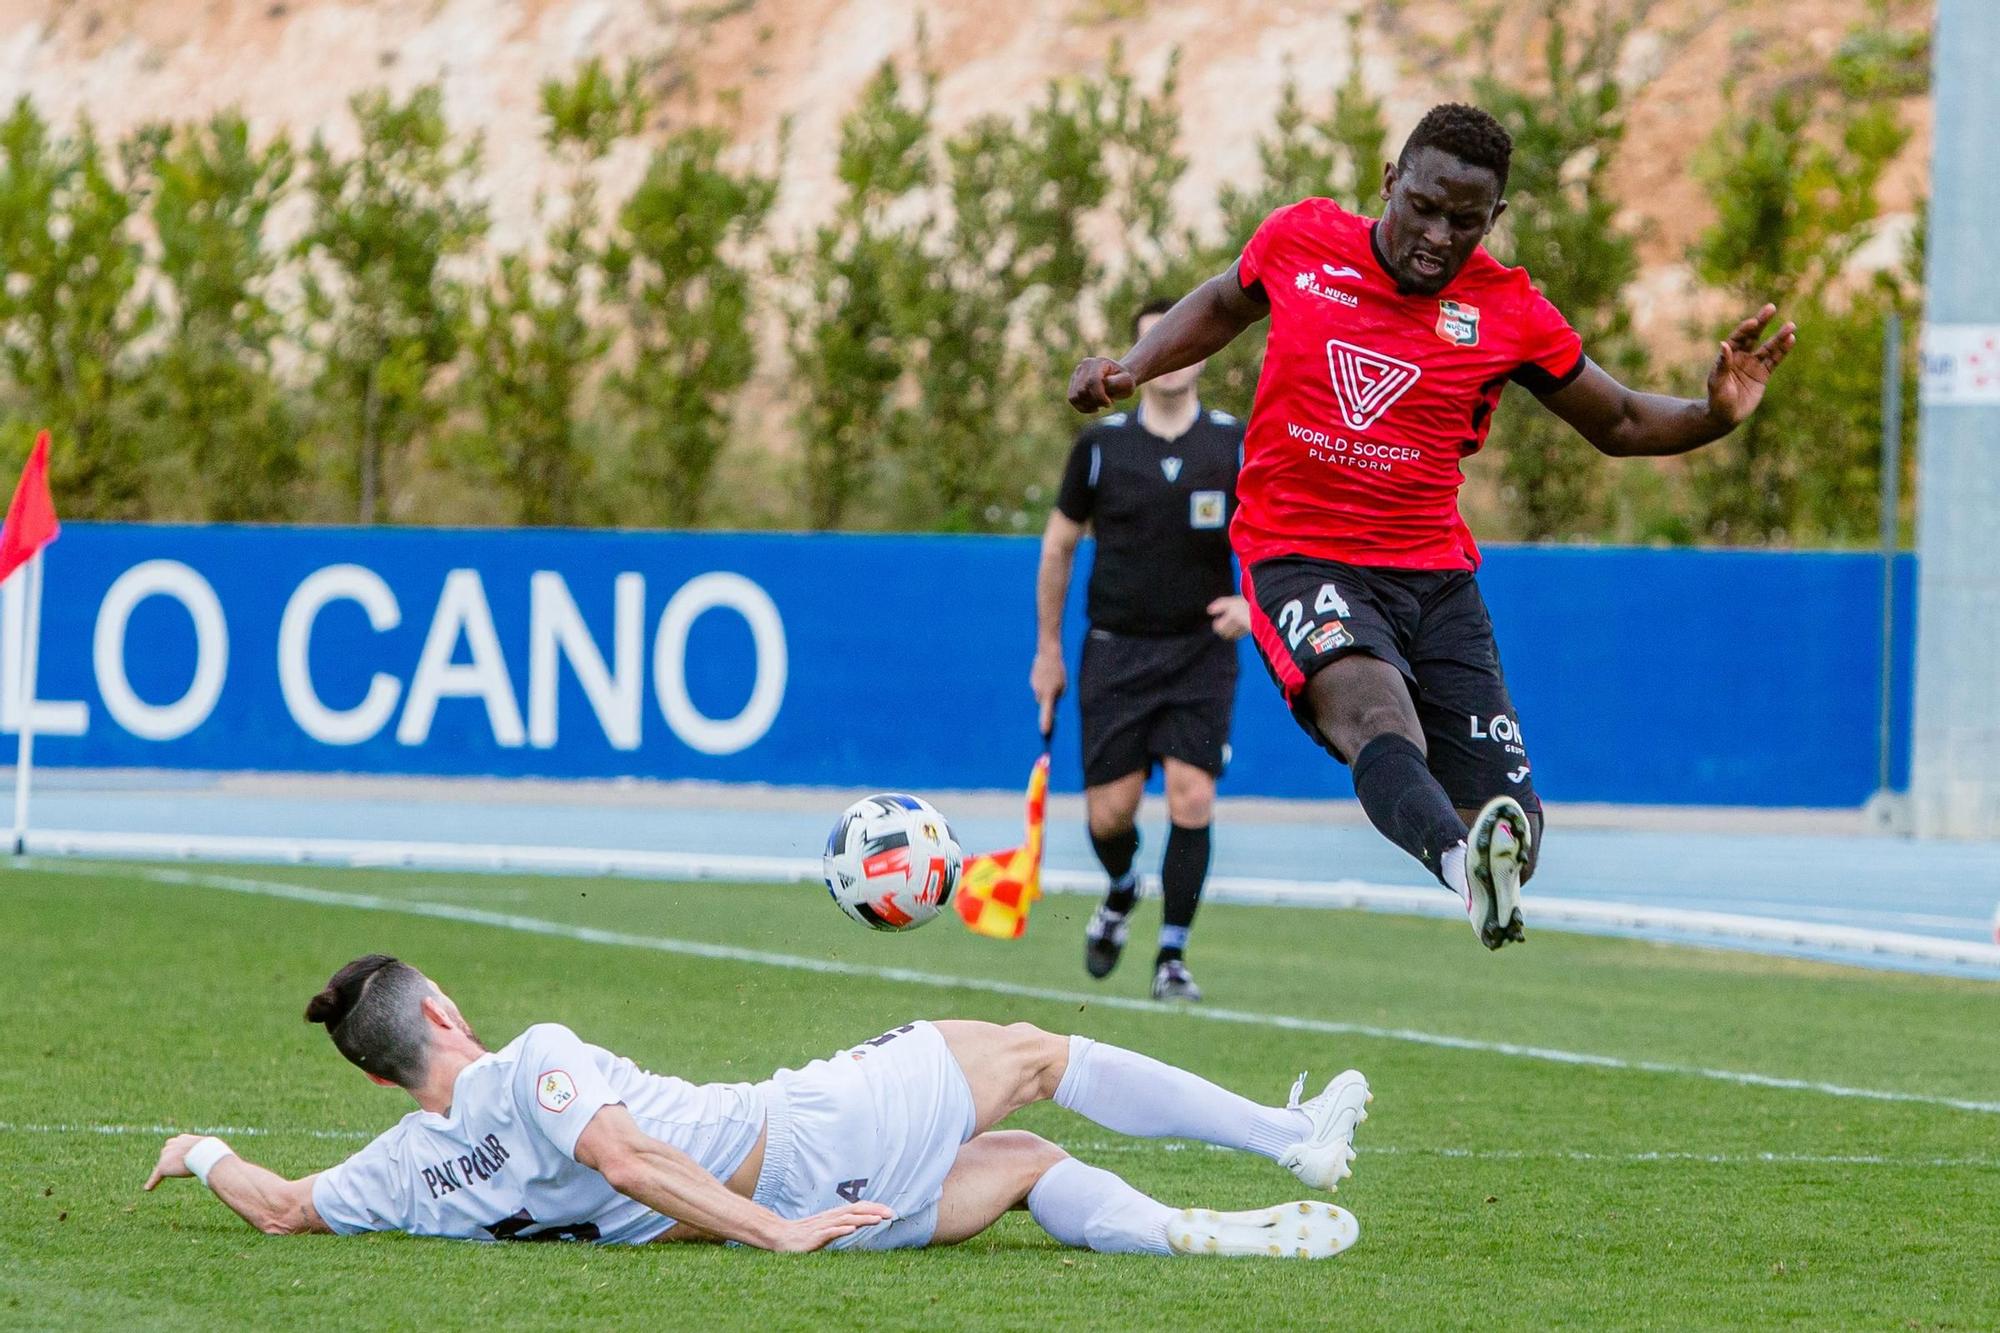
(1494,1189)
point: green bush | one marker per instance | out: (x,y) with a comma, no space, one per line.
(385,310)
(71,312)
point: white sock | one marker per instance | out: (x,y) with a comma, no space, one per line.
(1092,1209)
(1138,1095)
(1451,869)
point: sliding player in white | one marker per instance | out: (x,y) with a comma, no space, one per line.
(888,1145)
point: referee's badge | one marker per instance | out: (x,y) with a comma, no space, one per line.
(1206,509)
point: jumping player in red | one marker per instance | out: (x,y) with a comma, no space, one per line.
(1390,344)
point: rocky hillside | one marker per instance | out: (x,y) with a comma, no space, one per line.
(759,66)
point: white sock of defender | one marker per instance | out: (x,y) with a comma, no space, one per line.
(1138,1095)
(1092,1209)
(1451,869)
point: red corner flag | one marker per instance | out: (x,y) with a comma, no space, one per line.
(31,518)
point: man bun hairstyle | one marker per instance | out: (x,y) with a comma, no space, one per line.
(1466,133)
(373,1010)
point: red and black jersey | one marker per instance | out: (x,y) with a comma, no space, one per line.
(1371,396)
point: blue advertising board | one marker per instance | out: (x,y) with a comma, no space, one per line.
(1688,677)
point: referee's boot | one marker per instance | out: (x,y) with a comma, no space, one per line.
(1104,940)
(1173,982)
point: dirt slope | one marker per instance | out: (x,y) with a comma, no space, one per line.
(757,64)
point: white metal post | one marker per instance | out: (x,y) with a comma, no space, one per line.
(31,649)
(1955,774)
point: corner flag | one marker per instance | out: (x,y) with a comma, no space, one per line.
(31,517)
(31,525)
(996,889)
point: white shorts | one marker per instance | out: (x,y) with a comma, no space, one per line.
(881,1121)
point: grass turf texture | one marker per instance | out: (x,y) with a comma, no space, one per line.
(1492,1189)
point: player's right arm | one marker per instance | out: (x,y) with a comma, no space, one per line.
(1200,324)
(263,1198)
(1076,501)
(1048,678)
(674,1185)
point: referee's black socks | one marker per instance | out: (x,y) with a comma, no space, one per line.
(1405,802)
(1115,852)
(1182,870)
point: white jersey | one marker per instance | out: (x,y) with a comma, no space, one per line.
(502,1165)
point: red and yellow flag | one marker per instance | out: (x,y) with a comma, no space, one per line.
(996,889)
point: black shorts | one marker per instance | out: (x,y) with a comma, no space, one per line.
(1147,698)
(1432,626)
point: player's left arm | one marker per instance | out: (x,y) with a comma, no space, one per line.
(1625,423)
(674,1185)
(263,1198)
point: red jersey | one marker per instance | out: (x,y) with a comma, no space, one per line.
(1370,397)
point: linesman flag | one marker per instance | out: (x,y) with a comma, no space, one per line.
(996,889)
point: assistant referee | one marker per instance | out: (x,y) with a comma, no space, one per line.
(1158,679)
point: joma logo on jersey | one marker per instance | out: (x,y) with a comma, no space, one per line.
(1458,323)
(1366,383)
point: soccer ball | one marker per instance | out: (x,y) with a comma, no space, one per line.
(892,862)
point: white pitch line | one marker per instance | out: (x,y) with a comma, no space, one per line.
(1648,921)
(234,1131)
(1101,1148)
(1656,1156)
(529,925)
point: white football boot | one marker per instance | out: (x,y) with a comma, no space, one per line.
(1498,847)
(1304,1230)
(1325,1157)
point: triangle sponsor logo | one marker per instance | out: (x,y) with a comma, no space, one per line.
(1172,467)
(1366,383)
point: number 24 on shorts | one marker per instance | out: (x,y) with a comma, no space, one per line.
(1292,619)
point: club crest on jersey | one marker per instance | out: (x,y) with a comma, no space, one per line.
(1458,323)
(1366,383)
(1172,467)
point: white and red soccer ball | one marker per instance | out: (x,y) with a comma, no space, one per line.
(892,862)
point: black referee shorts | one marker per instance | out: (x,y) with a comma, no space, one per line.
(1432,626)
(1146,698)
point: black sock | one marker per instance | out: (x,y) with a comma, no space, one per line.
(1404,802)
(1182,870)
(1116,851)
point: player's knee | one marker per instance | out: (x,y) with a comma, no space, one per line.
(1363,724)
(1112,825)
(1042,1059)
(1190,797)
(1028,1156)
(1112,810)
(1028,1146)
(1350,724)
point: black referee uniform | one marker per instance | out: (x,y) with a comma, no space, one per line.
(1157,681)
